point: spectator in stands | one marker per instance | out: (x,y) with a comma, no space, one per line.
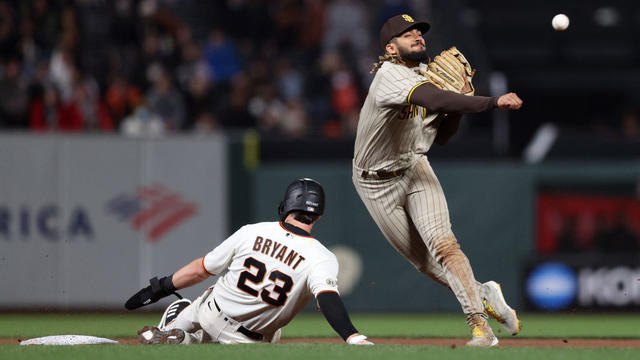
(43,100)
(311,32)
(28,48)
(221,54)
(91,109)
(164,100)
(232,110)
(268,109)
(14,96)
(343,95)
(46,16)
(287,15)
(199,98)
(347,23)
(8,37)
(294,123)
(62,69)
(121,98)
(142,123)
(290,81)
(206,123)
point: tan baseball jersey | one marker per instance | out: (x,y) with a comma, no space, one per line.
(410,209)
(391,133)
(272,274)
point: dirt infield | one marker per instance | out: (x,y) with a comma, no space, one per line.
(505,342)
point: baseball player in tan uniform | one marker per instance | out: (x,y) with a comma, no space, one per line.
(270,270)
(403,114)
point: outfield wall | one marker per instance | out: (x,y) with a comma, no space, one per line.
(87,220)
(493,207)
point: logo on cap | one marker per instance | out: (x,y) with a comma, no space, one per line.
(407,18)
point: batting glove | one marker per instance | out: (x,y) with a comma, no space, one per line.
(357,339)
(158,289)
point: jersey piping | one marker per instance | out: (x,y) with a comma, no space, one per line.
(412,89)
(205,268)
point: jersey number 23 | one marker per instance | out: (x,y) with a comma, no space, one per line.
(281,281)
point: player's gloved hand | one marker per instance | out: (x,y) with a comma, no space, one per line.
(358,339)
(158,289)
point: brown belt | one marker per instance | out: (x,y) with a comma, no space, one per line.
(381,175)
(243,330)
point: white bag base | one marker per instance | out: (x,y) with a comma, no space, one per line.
(68,340)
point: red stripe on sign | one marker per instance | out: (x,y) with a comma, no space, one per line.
(186,211)
(157,208)
(149,193)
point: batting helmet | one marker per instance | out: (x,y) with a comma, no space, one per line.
(303,195)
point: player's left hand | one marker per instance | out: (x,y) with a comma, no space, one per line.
(467,87)
(358,339)
(158,289)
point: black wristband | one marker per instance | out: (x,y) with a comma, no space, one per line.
(166,283)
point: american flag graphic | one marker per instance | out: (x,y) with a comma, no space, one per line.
(154,209)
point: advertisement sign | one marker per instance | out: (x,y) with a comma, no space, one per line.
(589,250)
(570,222)
(86,221)
(570,284)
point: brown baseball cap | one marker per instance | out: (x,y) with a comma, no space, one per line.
(398,25)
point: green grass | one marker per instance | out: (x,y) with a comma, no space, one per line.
(445,326)
(304,351)
(313,325)
(105,325)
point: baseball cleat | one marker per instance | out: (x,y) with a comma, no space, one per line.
(172,312)
(496,307)
(482,336)
(152,335)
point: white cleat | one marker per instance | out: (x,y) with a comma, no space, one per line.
(152,335)
(496,307)
(482,336)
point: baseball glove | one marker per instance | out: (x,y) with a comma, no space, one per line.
(450,71)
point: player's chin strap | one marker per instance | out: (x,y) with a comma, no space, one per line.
(178,295)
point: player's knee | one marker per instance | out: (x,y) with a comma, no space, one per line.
(447,249)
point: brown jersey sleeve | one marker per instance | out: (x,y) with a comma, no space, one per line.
(448,127)
(444,101)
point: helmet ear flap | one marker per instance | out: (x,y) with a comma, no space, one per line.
(281,210)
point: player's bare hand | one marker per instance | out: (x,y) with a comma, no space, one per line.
(509,101)
(467,86)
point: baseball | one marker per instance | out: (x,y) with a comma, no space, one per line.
(560,22)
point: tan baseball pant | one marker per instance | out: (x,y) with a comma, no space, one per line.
(411,211)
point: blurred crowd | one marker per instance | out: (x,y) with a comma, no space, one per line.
(147,67)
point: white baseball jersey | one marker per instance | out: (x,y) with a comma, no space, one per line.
(272,274)
(392,133)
